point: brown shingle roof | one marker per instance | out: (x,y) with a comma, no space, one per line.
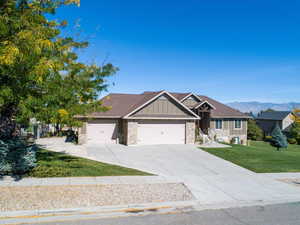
(223,111)
(122,104)
(119,104)
(179,96)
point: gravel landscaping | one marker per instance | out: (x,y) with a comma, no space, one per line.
(14,198)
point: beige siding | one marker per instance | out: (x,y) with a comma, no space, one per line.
(228,131)
(287,122)
(229,125)
(163,106)
(238,131)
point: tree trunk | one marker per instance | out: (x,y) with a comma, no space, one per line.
(57,129)
(8,126)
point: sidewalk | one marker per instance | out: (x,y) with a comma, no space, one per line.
(9,181)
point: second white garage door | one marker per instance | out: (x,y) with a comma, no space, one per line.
(101,132)
(161,132)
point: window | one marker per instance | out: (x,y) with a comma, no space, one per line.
(218,124)
(237,124)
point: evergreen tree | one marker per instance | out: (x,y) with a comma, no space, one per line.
(278,138)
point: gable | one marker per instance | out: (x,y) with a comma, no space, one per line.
(163,106)
(191,101)
(204,106)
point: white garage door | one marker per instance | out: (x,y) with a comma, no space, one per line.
(101,132)
(161,132)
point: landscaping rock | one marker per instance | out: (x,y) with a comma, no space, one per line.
(14,198)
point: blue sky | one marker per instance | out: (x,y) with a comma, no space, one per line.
(245,50)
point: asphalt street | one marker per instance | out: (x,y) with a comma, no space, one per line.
(280,214)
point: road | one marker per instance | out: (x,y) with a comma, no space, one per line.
(280,214)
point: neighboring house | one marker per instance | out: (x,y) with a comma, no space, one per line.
(268,120)
(162,118)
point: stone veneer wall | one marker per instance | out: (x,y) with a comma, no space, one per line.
(82,134)
(132,129)
(190,127)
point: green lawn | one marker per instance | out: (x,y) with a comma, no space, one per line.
(54,164)
(261,157)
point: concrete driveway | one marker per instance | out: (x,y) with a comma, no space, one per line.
(212,180)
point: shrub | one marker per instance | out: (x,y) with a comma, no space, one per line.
(254,132)
(268,138)
(292,141)
(16,157)
(298,141)
(295,131)
(71,137)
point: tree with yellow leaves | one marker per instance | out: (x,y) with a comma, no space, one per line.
(40,75)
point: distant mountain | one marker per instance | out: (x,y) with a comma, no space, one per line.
(256,107)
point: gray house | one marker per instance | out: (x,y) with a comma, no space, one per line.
(162,118)
(268,120)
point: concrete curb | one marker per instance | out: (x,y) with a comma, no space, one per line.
(23,217)
(60,215)
(281,175)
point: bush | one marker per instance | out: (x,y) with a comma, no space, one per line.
(268,138)
(292,141)
(16,157)
(298,141)
(254,132)
(71,137)
(295,131)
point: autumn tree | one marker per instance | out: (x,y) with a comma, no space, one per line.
(40,75)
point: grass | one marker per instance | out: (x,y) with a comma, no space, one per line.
(54,164)
(261,157)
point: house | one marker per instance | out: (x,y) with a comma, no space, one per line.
(162,118)
(268,120)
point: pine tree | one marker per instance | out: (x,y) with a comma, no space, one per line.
(278,138)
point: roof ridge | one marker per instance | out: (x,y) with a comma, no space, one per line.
(122,94)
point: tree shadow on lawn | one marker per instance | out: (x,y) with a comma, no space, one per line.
(45,155)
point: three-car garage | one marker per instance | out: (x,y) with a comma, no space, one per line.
(147,132)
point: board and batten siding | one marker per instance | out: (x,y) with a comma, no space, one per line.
(162,106)
(287,122)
